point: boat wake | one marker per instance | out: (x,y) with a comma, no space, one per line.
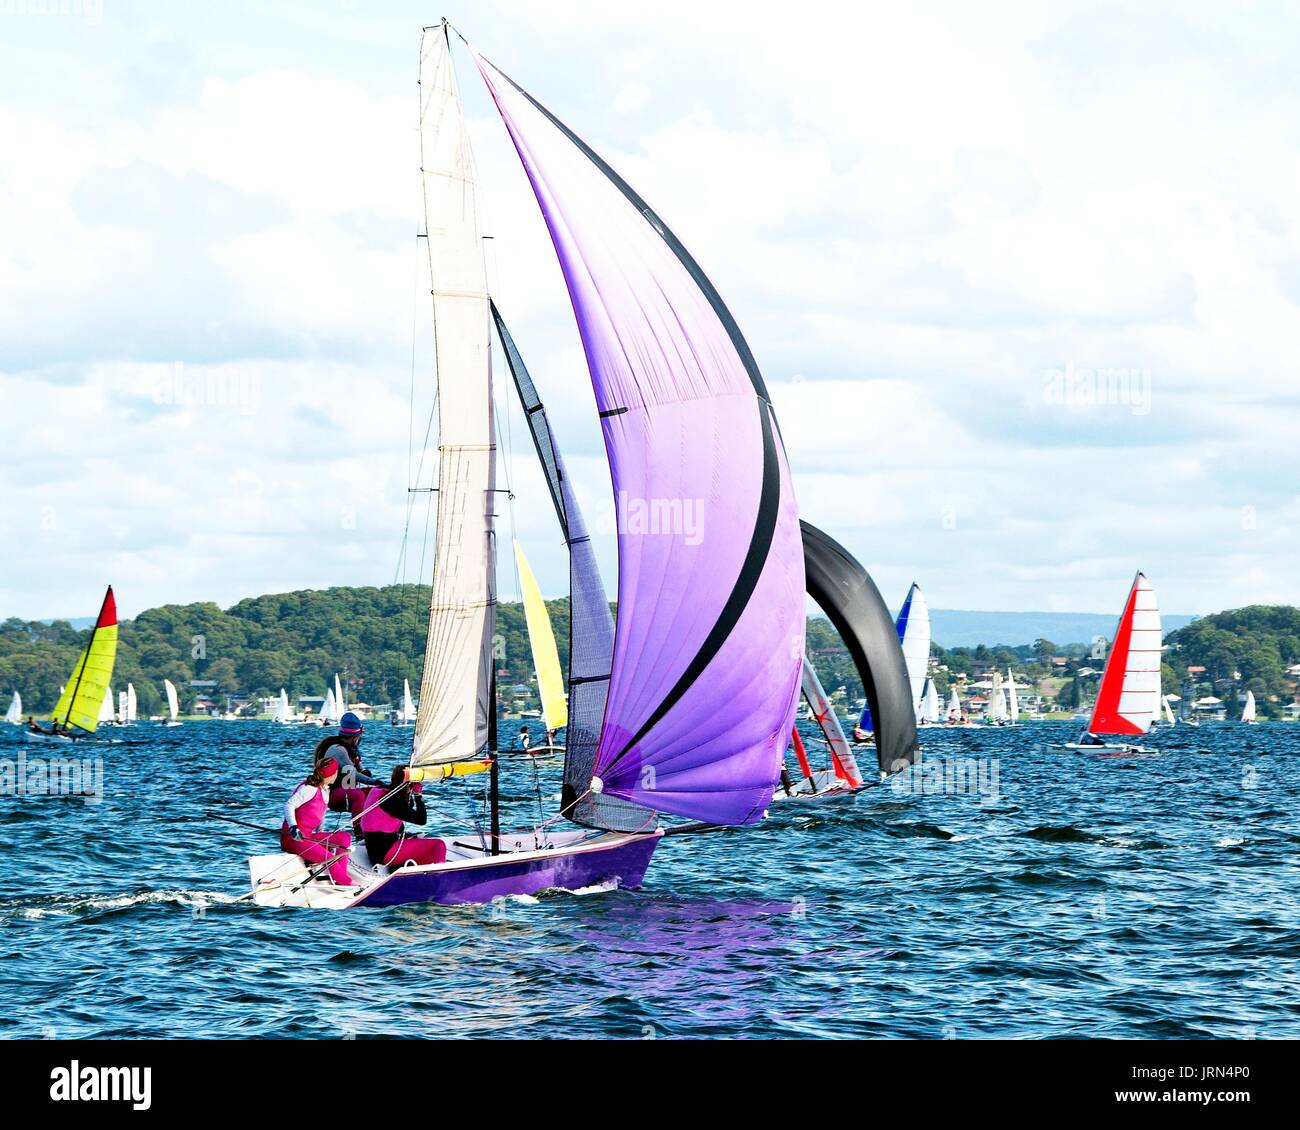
(34,907)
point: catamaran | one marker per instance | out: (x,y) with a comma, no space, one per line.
(1128,698)
(546,656)
(1248,711)
(685,706)
(81,699)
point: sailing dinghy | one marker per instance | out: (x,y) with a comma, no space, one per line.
(14,715)
(81,700)
(1128,698)
(173,703)
(406,714)
(693,693)
(913,626)
(842,777)
(1248,711)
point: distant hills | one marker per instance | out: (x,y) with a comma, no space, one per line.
(954,628)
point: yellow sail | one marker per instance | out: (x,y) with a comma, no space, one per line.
(546,659)
(83,695)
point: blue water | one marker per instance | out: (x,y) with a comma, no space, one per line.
(1140,897)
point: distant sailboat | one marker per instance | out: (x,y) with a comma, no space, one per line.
(408,706)
(1248,711)
(106,712)
(954,706)
(1128,699)
(14,714)
(173,703)
(329,710)
(843,775)
(930,703)
(913,626)
(1013,699)
(546,657)
(1170,717)
(996,711)
(82,698)
(281,712)
(340,703)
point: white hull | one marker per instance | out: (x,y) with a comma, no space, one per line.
(824,784)
(1107,747)
(30,736)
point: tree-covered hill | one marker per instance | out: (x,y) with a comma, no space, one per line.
(373,638)
(1241,649)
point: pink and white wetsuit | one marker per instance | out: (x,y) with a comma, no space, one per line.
(306,809)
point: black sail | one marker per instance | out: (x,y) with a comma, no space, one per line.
(849,597)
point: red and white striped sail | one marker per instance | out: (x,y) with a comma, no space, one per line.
(1129,698)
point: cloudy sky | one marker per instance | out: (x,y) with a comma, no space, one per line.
(1024,284)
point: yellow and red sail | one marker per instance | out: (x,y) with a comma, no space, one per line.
(79,704)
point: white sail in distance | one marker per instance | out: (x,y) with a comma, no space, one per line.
(173,703)
(15,712)
(456,685)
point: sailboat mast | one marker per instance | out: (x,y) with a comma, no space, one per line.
(494,781)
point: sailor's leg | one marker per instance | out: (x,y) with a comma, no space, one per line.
(416,850)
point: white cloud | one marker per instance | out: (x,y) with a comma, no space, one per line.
(918,212)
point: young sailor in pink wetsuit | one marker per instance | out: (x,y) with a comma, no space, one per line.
(301,831)
(382,825)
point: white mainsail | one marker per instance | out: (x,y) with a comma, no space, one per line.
(173,703)
(329,711)
(1013,700)
(914,635)
(281,708)
(930,705)
(408,707)
(106,707)
(131,707)
(997,708)
(121,707)
(340,703)
(1169,713)
(1248,711)
(15,711)
(456,686)
(954,704)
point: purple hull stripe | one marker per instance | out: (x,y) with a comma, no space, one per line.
(709,638)
(626,862)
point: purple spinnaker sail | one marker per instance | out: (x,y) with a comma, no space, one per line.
(709,639)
